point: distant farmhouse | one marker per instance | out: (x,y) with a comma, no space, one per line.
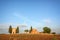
(34,31)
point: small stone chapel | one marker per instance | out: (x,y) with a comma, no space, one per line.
(13,30)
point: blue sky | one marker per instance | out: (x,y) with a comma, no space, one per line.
(36,13)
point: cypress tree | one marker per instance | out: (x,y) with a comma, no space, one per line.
(10,29)
(17,30)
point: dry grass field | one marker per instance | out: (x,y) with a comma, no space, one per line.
(29,37)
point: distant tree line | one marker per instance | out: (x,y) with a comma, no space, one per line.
(45,30)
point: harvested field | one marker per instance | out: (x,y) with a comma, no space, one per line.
(28,37)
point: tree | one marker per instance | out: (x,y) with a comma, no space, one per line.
(46,30)
(26,31)
(30,29)
(17,30)
(10,29)
(53,32)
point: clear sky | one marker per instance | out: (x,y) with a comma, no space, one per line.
(35,13)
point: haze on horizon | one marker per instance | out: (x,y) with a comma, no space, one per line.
(26,13)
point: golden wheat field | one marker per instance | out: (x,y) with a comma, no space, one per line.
(28,37)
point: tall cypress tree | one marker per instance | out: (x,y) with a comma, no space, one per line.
(30,29)
(17,30)
(10,29)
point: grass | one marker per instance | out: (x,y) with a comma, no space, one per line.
(28,37)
